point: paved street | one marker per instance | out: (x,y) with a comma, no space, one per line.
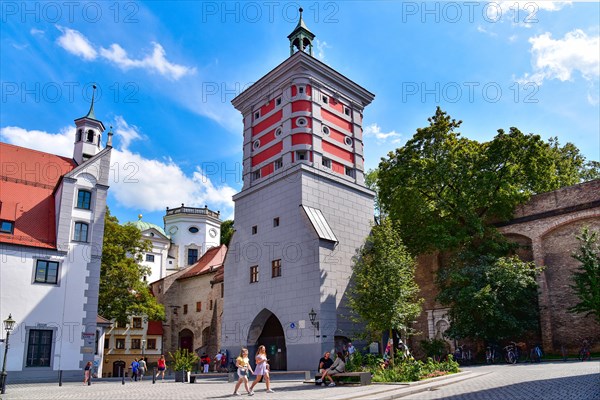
(564,381)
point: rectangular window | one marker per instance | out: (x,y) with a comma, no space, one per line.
(256,175)
(326,162)
(301,155)
(278,164)
(210,305)
(350,172)
(151,344)
(136,344)
(84,199)
(192,256)
(300,89)
(106,342)
(198,306)
(81,232)
(185,309)
(7,227)
(136,322)
(325,100)
(254,274)
(275,222)
(39,348)
(278,101)
(46,271)
(120,343)
(346,111)
(150,257)
(275,268)
(222,290)
(254,229)
(257,115)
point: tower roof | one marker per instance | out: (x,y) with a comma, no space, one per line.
(301,26)
(301,37)
(90,114)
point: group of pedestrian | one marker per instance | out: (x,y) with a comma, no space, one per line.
(138,369)
(221,362)
(329,368)
(205,363)
(244,369)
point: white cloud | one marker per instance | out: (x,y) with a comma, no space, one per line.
(483,30)
(156,61)
(127,133)
(76,43)
(321,46)
(34,32)
(136,182)
(374,130)
(561,58)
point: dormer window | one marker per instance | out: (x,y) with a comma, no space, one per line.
(7,227)
(90,136)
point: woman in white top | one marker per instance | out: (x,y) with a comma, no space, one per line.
(262,369)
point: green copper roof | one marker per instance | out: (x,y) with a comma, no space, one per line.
(144,226)
(301,26)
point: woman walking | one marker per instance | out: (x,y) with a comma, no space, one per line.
(162,366)
(262,369)
(243,365)
(87,372)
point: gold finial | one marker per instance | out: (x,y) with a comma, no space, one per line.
(140,217)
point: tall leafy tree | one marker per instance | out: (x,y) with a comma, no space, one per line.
(491,298)
(445,190)
(123,293)
(384,293)
(586,279)
(227,230)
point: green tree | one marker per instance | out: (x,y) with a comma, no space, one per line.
(123,293)
(384,294)
(445,191)
(371,183)
(227,231)
(490,298)
(586,279)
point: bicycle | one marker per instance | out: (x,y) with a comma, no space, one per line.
(511,356)
(463,355)
(585,353)
(536,354)
(491,354)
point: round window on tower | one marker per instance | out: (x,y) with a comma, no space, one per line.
(301,121)
(278,132)
(348,140)
(212,232)
(325,130)
(193,229)
(256,144)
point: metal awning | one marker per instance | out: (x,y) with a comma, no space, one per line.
(318,221)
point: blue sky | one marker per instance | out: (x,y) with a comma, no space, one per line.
(167,72)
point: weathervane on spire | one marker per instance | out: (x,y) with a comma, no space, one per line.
(90,113)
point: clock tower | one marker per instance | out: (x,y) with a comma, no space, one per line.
(302,213)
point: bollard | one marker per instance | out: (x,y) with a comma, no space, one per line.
(122,376)
(153,375)
(60,377)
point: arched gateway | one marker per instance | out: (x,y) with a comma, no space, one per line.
(266,330)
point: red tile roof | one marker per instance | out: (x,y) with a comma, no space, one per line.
(27,182)
(155,328)
(211,260)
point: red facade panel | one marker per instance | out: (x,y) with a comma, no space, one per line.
(266,170)
(267,108)
(301,105)
(338,152)
(267,138)
(337,121)
(301,138)
(272,120)
(337,167)
(268,153)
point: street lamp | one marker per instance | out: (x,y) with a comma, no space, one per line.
(9,323)
(312,315)
(143,346)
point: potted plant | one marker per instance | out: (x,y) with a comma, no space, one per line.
(183,360)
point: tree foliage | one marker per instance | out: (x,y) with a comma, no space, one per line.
(491,298)
(586,279)
(123,293)
(384,292)
(444,191)
(227,230)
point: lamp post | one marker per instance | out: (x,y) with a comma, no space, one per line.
(143,346)
(9,323)
(312,315)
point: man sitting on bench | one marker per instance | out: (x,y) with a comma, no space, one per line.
(337,367)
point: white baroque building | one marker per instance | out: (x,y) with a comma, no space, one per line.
(51,230)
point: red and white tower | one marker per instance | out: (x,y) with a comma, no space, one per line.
(302,213)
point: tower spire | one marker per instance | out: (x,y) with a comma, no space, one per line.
(301,38)
(90,113)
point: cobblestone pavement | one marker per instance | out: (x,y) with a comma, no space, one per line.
(547,381)
(564,381)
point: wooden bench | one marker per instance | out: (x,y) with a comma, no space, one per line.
(364,377)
